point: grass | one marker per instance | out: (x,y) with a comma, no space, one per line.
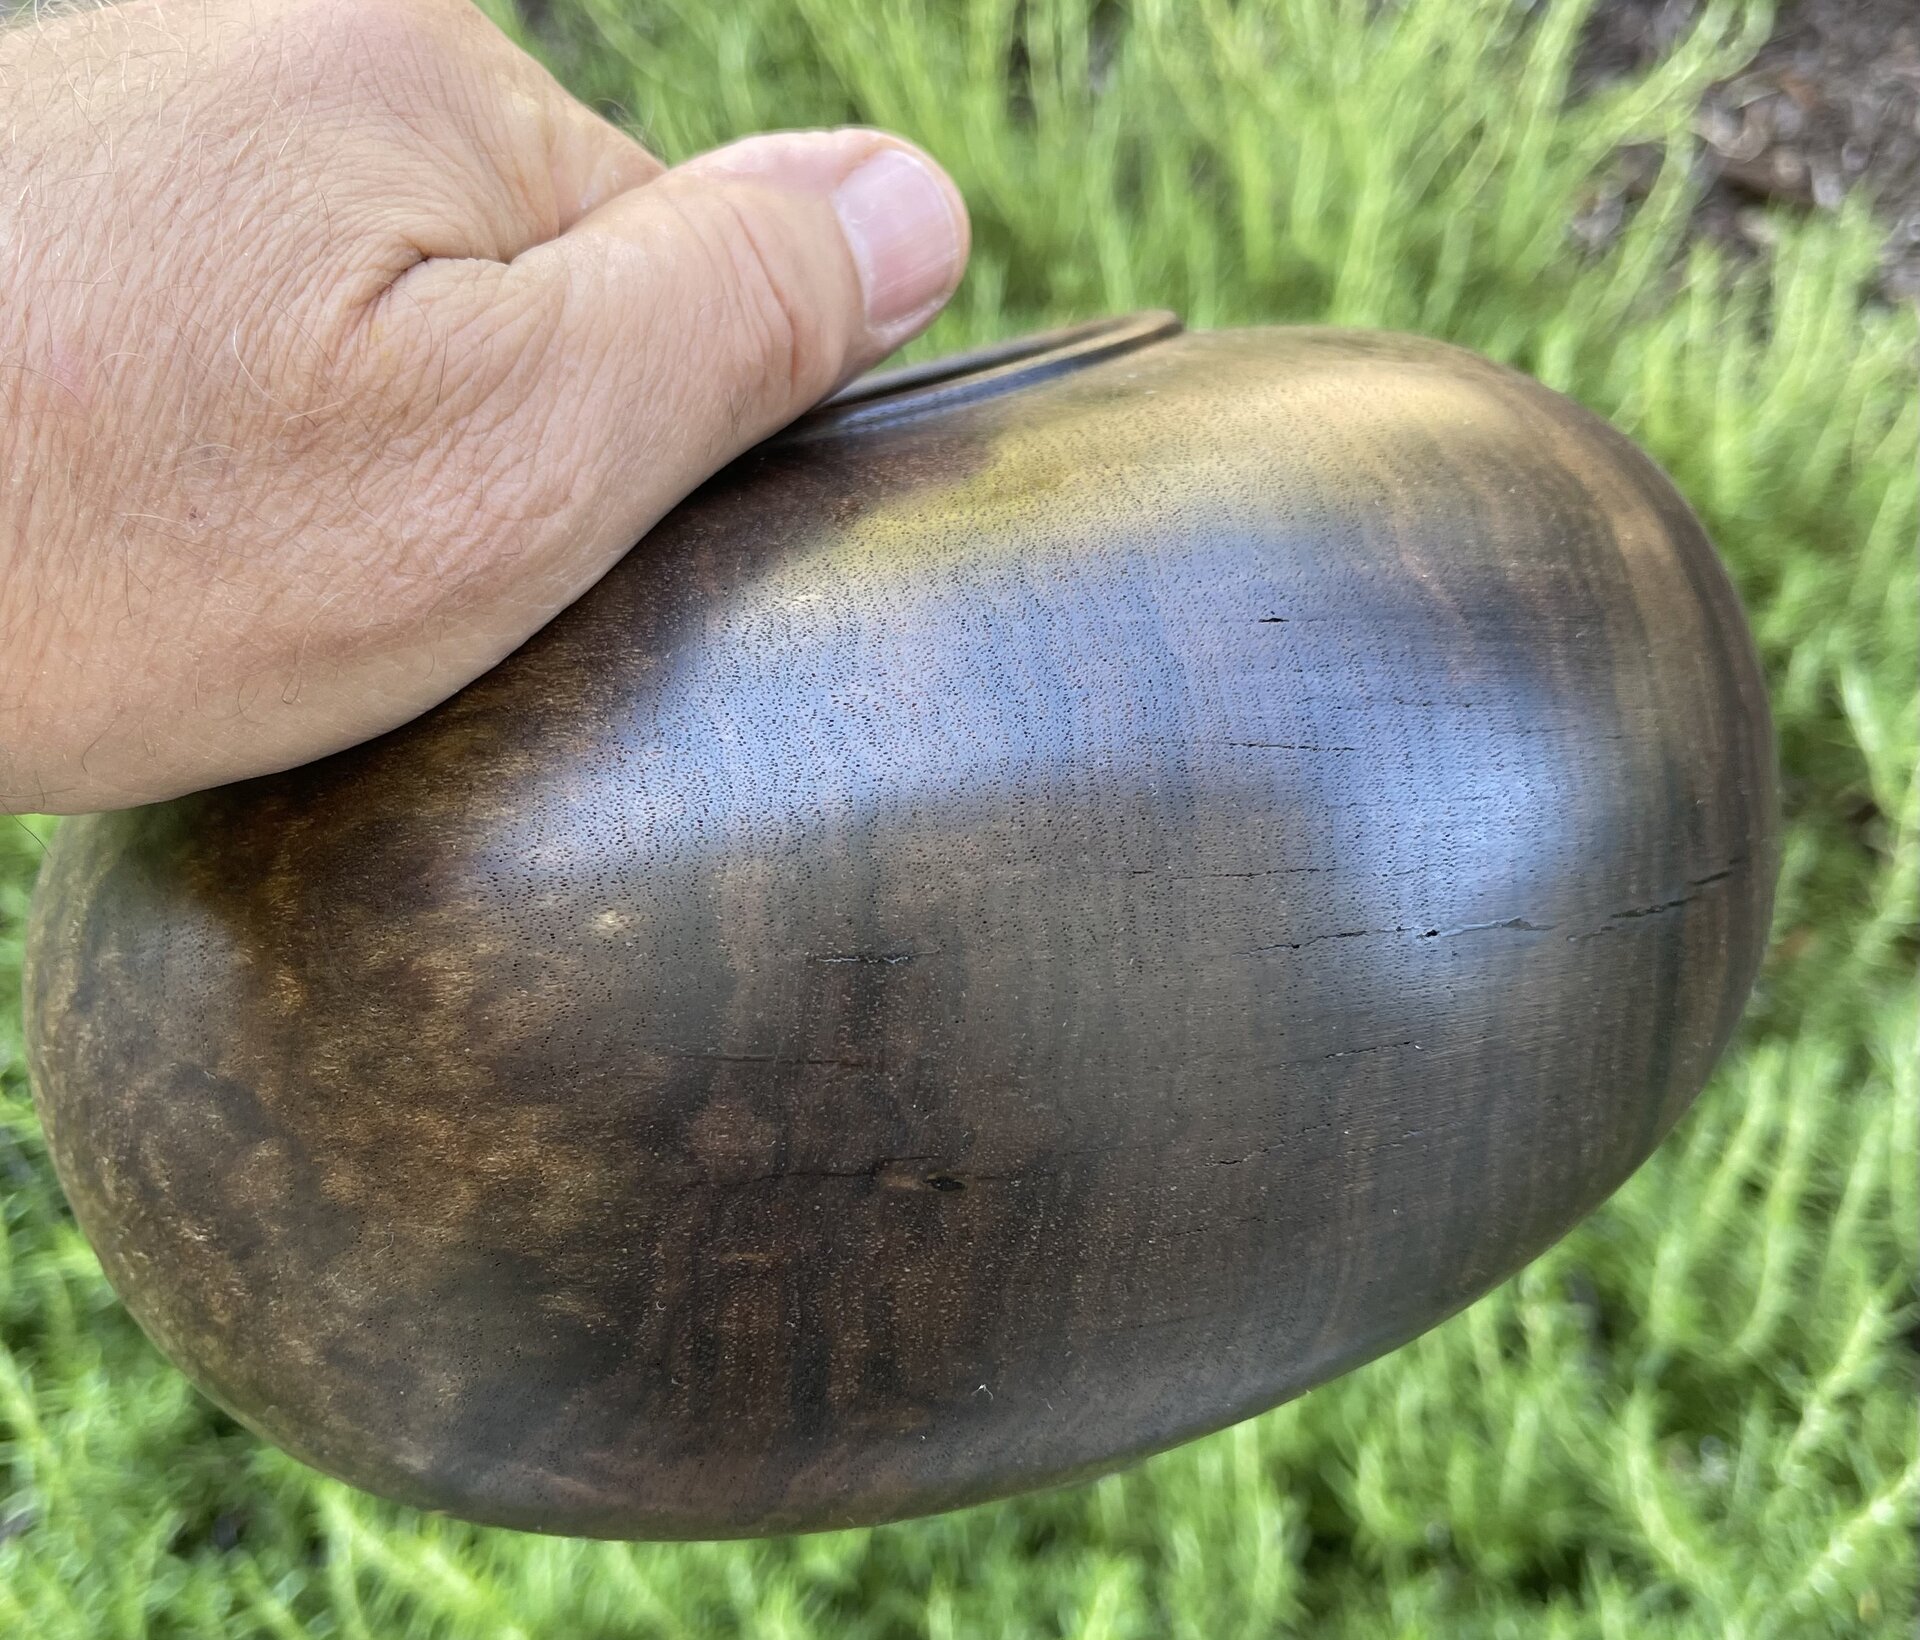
(1696,1416)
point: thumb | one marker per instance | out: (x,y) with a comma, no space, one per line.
(709,307)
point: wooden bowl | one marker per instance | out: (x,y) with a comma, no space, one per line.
(1075,894)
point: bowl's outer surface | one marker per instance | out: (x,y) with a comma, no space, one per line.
(995,941)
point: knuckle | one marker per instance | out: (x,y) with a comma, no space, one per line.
(403,62)
(781,340)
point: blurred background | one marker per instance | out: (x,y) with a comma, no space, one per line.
(1695,1417)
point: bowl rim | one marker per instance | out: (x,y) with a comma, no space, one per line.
(907,391)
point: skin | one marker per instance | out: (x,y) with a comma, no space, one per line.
(340,349)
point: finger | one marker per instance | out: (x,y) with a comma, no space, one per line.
(706,309)
(908,242)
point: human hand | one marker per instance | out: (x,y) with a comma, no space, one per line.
(340,349)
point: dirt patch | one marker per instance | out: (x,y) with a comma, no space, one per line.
(1830,106)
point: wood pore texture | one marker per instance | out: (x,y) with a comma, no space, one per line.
(1022,924)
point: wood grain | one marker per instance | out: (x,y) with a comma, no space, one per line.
(1046,911)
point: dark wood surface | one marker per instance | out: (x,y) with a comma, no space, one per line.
(1035,917)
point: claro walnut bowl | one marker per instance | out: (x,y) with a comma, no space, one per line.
(1077,893)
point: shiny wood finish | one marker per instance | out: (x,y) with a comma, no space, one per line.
(1040,914)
